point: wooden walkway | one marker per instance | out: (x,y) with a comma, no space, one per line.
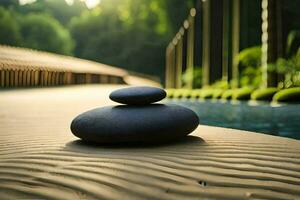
(21,67)
(41,159)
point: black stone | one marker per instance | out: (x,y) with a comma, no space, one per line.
(124,123)
(138,95)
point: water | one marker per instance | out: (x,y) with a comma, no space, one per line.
(274,119)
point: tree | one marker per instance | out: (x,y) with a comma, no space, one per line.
(176,12)
(43,32)
(59,9)
(9,3)
(128,33)
(9,29)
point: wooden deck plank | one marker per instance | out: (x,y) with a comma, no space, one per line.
(40,158)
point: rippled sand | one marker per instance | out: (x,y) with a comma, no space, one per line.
(41,159)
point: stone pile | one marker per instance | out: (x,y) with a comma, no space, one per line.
(139,119)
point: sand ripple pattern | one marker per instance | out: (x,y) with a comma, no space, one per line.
(41,159)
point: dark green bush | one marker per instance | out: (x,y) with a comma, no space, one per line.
(196,76)
(250,66)
(250,57)
(242,93)
(170,92)
(217,94)
(195,93)
(206,93)
(263,94)
(227,94)
(181,93)
(186,93)
(288,95)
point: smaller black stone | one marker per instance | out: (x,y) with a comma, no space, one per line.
(138,95)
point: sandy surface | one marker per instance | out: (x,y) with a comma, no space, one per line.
(41,159)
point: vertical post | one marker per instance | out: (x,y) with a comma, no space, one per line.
(212,41)
(2,76)
(42,77)
(168,67)
(206,46)
(173,63)
(235,42)
(28,78)
(216,42)
(49,78)
(24,78)
(179,60)
(12,77)
(273,40)
(20,78)
(46,78)
(16,77)
(184,47)
(198,40)
(264,40)
(88,78)
(36,77)
(190,46)
(225,45)
(32,80)
(167,63)
(7,78)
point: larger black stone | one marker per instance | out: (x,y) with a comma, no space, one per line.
(151,123)
(138,95)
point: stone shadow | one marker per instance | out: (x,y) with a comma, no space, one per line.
(83,146)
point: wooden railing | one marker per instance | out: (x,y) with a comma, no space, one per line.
(209,40)
(25,78)
(175,53)
(28,68)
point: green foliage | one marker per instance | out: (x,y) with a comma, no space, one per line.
(263,94)
(176,12)
(195,74)
(181,93)
(195,93)
(9,3)
(290,68)
(250,57)
(43,32)
(288,95)
(227,94)
(132,35)
(250,66)
(9,28)
(206,93)
(34,30)
(221,84)
(170,92)
(217,94)
(251,76)
(187,93)
(293,42)
(242,93)
(59,9)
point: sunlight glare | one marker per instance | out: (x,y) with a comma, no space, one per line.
(89,3)
(92,3)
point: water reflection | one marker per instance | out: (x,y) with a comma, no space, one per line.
(275,119)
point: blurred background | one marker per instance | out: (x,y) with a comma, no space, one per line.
(130,34)
(236,43)
(197,49)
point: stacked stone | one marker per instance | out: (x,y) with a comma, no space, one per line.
(139,119)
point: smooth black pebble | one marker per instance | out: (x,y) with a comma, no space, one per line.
(124,123)
(138,95)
